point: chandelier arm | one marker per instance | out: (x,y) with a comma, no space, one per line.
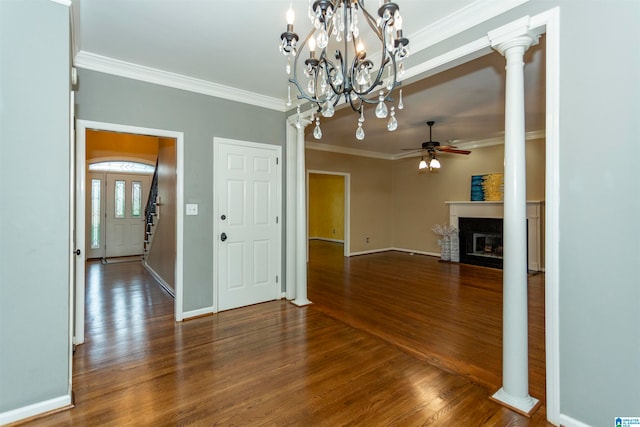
(370,20)
(376,82)
(353,107)
(386,56)
(330,66)
(301,92)
(396,83)
(345,61)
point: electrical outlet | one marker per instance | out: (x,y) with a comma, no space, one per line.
(366,239)
(334,231)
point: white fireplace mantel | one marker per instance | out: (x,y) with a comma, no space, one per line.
(465,209)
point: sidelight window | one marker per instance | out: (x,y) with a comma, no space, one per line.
(136,199)
(96,185)
(119,199)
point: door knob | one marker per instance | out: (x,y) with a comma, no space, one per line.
(223,236)
(77,251)
(223,217)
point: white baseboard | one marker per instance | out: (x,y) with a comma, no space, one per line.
(371,251)
(160,280)
(567,421)
(327,239)
(199,312)
(413,251)
(35,409)
(410,251)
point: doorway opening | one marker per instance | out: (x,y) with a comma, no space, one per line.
(328,211)
(120,142)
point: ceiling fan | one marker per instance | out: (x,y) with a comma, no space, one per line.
(431,147)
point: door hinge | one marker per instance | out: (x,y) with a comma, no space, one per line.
(277,160)
(276,279)
(276,220)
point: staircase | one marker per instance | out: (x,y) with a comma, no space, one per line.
(151,213)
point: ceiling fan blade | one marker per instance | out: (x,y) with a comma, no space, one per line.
(412,149)
(447,149)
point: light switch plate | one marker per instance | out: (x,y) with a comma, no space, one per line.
(192,209)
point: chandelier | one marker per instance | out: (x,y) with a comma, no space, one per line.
(347,74)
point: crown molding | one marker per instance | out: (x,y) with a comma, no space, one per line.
(499,140)
(463,19)
(94,62)
(62,2)
(346,150)
(466,145)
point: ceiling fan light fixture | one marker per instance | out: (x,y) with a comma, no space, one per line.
(347,73)
(434,163)
(423,164)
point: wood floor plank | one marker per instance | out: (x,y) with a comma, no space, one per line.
(379,347)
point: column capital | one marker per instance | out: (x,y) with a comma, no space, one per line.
(304,119)
(514,34)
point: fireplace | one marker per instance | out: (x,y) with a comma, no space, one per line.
(481,241)
(491,210)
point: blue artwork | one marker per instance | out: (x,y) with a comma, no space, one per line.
(477,193)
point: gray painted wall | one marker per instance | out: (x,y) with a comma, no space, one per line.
(34,211)
(106,98)
(599,210)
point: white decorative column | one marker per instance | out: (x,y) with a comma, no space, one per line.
(290,264)
(301,216)
(512,41)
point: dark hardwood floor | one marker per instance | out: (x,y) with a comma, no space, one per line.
(391,339)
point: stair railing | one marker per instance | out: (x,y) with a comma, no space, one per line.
(151,209)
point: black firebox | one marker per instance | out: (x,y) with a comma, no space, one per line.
(481,241)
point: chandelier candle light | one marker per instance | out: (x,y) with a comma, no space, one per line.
(358,81)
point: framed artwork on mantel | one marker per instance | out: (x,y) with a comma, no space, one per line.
(487,187)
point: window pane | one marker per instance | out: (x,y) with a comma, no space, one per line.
(119,196)
(95,213)
(122,167)
(136,199)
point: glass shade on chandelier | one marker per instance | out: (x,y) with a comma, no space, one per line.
(348,74)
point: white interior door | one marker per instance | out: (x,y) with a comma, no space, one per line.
(247,224)
(126,198)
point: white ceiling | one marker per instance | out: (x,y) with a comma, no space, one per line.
(235,44)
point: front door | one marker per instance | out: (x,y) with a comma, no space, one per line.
(126,199)
(247,222)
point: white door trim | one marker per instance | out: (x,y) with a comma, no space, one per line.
(216,146)
(547,22)
(80,191)
(347,206)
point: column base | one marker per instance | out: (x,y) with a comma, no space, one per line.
(526,406)
(301,302)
